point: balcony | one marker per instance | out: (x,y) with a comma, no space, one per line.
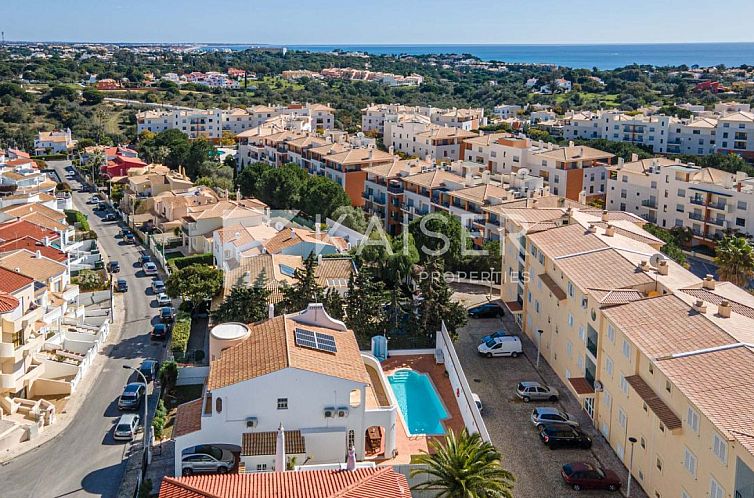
(7,350)
(696,216)
(719,205)
(651,203)
(591,345)
(699,201)
(716,221)
(380,201)
(395,189)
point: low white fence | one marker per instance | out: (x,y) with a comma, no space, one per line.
(446,353)
(192,375)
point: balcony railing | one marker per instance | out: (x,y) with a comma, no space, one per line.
(650,203)
(696,216)
(591,345)
(716,221)
(719,205)
(699,201)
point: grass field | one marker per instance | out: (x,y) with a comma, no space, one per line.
(607,100)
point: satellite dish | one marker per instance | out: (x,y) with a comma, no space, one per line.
(279,226)
(656,258)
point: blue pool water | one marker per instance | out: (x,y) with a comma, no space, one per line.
(422,409)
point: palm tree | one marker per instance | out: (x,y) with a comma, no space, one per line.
(464,467)
(735,260)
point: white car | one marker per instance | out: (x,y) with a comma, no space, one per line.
(477,401)
(164,300)
(150,269)
(508,345)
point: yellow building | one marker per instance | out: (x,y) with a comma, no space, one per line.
(651,351)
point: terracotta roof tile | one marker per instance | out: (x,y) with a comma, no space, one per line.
(606,268)
(188,418)
(264,443)
(40,269)
(7,302)
(10,281)
(17,229)
(566,240)
(360,483)
(33,245)
(658,406)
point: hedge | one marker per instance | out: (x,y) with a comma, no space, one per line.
(183,262)
(181,333)
(72,217)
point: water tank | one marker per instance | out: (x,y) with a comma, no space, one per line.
(224,336)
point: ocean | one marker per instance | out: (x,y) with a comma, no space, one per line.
(577,56)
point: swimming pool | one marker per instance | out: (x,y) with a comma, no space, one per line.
(420,405)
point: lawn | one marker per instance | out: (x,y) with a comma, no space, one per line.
(179,395)
(607,99)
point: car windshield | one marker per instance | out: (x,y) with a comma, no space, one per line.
(128,396)
(490,343)
(123,428)
(600,474)
(159,327)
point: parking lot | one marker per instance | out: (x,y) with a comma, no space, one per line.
(537,468)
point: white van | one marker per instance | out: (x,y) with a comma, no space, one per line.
(509,345)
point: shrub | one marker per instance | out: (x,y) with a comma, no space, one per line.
(168,375)
(158,421)
(77,217)
(90,280)
(183,262)
(181,332)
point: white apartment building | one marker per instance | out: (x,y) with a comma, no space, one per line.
(671,194)
(54,142)
(374,117)
(505,111)
(418,138)
(651,131)
(196,123)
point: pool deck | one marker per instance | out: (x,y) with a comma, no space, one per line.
(415,445)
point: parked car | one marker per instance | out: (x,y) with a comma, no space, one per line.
(101,206)
(121,285)
(530,390)
(164,300)
(494,335)
(160,331)
(564,436)
(132,396)
(582,475)
(167,314)
(486,310)
(93,199)
(509,345)
(113,267)
(110,217)
(150,268)
(127,427)
(477,401)
(129,238)
(158,286)
(550,415)
(212,459)
(144,259)
(149,369)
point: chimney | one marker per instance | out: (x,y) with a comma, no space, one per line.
(724,309)
(319,258)
(621,162)
(634,158)
(271,311)
(592,228)
(371,152)
(644,265)
(605,216)
(708,282)
(662,267)
(699,306)
(570,144)
(38,255)
(293,233)
(391,149)
(610,231)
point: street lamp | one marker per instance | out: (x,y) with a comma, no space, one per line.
(146,409)
(162,246)
(492,274)
(631,440)
(539,344)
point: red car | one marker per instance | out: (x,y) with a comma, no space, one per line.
(581,475)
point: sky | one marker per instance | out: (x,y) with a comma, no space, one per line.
(387,22)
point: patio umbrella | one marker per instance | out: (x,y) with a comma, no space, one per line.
(351,460)
(280,450)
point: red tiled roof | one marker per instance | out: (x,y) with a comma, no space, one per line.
(22,228)
(33,245)
(188,418)
(7,302)
(360,483)
(658,406)
(11,281)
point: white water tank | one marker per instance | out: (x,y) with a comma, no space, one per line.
(224,336)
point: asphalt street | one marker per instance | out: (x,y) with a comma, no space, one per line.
(84,460)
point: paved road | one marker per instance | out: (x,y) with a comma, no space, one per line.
(84,460)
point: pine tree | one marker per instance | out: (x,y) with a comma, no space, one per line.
(436,305)
(306,289)
(365,314)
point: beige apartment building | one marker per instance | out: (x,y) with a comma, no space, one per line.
(651,351)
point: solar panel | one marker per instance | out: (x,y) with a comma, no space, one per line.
(315,340)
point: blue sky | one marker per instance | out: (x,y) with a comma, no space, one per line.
(379,21)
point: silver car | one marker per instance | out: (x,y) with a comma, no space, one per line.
(530,390)
(207,459)
(126,428)
(548,415)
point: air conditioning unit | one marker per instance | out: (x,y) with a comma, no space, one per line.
(342,412)
(329,412)
(251,422)
(598,386)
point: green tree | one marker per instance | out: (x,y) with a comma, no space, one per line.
(92,96)
(735,260)
(464,466)
(436,306)
(353,217)
(305,290)
(334,304)
(281,188)
(196,283)
(168,375)
(322,196)
(197,154)
(244,304)
(439,234)
(364,304)
(250,179)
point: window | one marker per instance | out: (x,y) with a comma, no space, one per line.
(261,467)
(219,405)
(667,385)
(282,403)
(692,419)
(622,419)
(720,448)
(608,366)
(571,291)
(658,464)
(740,222)
(626,349)
(715,490)
(742,205)
(569,349)
(611,333)
(681,192)
(643,443)
(607,399)
(623,385)
(570,320)
(689,462)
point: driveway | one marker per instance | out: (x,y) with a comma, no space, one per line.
(537,469)
(84,460)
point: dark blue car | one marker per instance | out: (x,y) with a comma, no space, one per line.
(486,310)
